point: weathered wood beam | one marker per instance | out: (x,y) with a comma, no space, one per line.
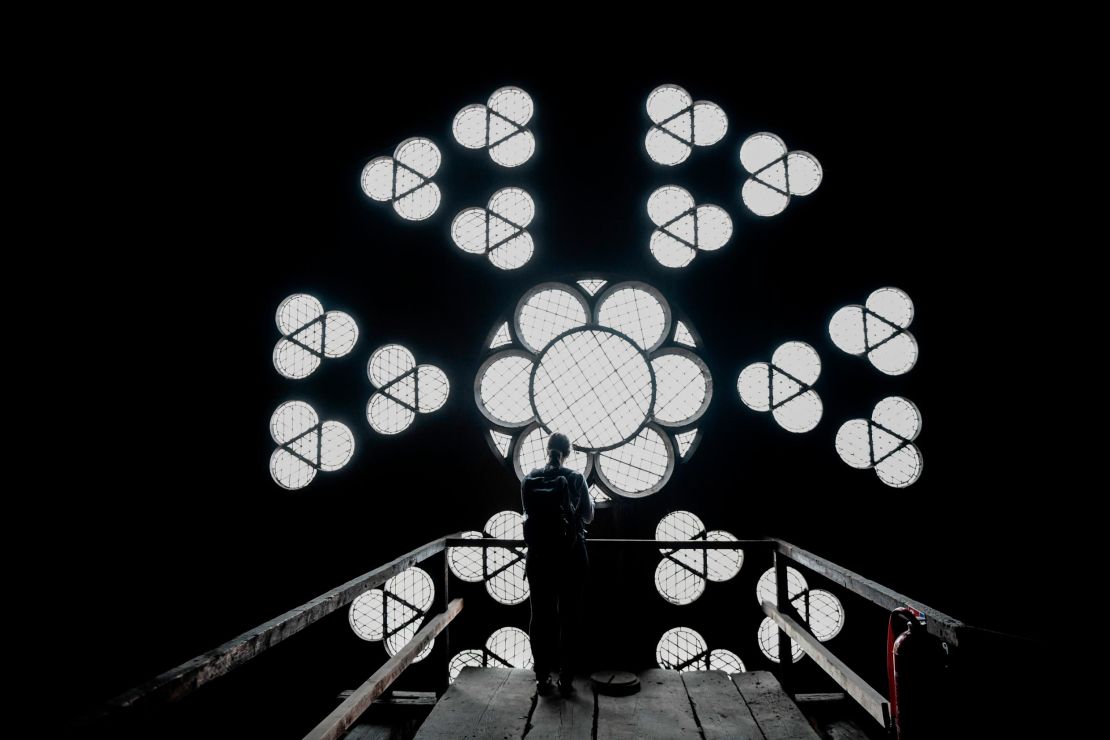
(189,676)
(871,700)
(346,714)
(938,623)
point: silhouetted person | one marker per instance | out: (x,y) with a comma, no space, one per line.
(555,514)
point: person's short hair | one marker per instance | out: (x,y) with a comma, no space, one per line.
(559,442)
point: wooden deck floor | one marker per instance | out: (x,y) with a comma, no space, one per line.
(502,703)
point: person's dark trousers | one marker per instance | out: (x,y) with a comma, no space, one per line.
(557,582)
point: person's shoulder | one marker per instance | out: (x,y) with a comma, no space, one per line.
(573,475)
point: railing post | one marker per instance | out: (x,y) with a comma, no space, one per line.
(786,659)
(447,628)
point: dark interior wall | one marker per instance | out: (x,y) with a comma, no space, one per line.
(244,189)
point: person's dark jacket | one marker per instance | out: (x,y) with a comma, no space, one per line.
(580,499)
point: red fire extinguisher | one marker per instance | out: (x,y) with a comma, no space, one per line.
(915,670)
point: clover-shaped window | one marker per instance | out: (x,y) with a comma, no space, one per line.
(607,367)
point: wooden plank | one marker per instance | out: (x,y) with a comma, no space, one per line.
(777,716)
(346,714)
(843,729)
(785,649)
(483,703)
(821,698)
(191,675)
(370,732)
(871,700)
(399,698)
(556,718)
(720,710)
(938,623)
(660,711)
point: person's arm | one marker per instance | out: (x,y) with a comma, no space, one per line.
(585,501)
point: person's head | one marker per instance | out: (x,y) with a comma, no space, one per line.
(558,448)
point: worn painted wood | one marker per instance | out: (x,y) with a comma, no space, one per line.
(399,698)
(371,732)
(191,675)
(346,714)
(938,623)
(661,709)
(483,703)
(558,718)
(871,700)
(820,698)
(720,709)
(777,716)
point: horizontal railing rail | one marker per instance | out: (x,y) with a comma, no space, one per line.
(191,675)
(181,681)
(937,623)
(867,697)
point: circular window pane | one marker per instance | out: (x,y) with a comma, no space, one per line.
(714,227)
(340,334)
(296,312)
(823,612)
(639,467)
(509,647)
(762,200)
(670,252)
(899,415)
(431,387)
(546,312)
(466,562)
(292,419)
(367,615)
(896,356)
(386,416)
(593,385)
(469,126)
(289,471)
(846,330)
(760,150)
(293,361)
(723,565)
(676,583)
(725,660)
(377,178)
(710,123)
(800,414)
(503,389)
(901,468)
(337,445)
(637,312)
(683,387)
(853,443)
(893,305)
(465,659)
(804,173)
(765,588)
(680,649)
(769,642)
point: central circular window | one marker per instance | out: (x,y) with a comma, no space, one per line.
(594,385)
(608,365)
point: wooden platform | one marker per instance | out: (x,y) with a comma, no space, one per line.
(502,703)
